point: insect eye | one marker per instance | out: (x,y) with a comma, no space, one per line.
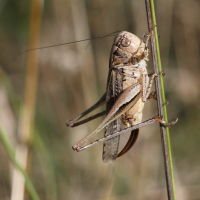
(125,42)
(118,41)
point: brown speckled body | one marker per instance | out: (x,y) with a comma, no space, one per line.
(127,69)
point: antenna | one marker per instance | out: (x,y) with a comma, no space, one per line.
(39,48)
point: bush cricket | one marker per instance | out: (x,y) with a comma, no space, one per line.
(128,88)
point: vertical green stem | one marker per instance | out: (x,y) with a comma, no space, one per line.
(163,97)
(159,59)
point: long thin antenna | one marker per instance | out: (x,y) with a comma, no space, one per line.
(109,35)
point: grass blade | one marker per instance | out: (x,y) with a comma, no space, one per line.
(10,151)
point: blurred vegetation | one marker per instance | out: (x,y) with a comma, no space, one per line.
(73,77)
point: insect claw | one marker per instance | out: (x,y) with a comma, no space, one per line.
(150,74)
(69,124)
(78,149)
(153,95)
(144,36)
(165,123)
(162,73)
(75,147)
(152,28)
(166,102)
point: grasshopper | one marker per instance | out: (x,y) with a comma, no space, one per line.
(128,88)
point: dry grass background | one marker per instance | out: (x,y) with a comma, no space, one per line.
(73,77)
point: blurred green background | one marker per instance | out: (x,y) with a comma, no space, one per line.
(73,77)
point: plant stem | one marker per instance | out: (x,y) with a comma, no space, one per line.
(10,151)
(26,120)
(160,99)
